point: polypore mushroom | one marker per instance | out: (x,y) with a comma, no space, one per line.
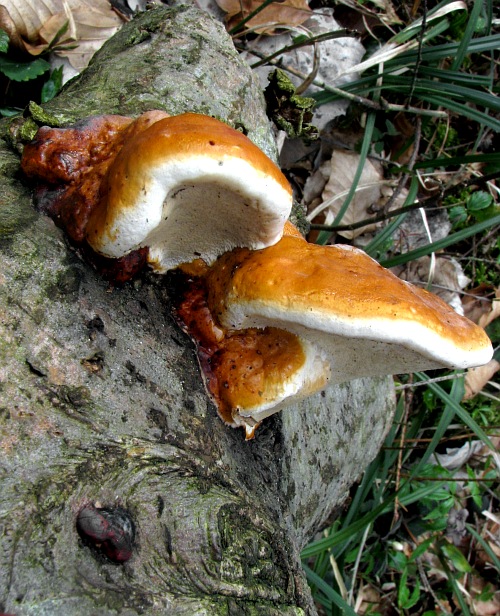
(189,186)
(181,187)
(334,313)
(273,319)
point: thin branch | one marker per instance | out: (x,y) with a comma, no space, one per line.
(354,98)
(425,203)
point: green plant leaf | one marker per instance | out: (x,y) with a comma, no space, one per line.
(420,549)
(455,556)
(8,112)
(23,71)
(479,200)
(4,41)
(403,590)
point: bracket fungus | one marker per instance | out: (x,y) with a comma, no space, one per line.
(182,187)
(273,317)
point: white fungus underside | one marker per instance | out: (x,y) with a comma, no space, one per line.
(361,347)
(199,207)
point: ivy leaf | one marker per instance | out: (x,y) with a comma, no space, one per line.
(23,71)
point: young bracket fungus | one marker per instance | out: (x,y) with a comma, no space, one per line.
(274,318)
(182,187)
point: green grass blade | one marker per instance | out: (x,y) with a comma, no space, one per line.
(463,48)
(467,79)
(331,595)
(319,546)
(461,413)
(491,159)
(443,243)
(457,390)
(447,50)
(485,545)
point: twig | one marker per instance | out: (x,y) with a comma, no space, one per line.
(426,203)
(438,379)
(429,589)
(355,98)
(312,40)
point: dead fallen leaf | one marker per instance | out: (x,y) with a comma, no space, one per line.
(494,313)
(445,275)
(476,587)
(288,13)
(33,27)
(476,378)
(456,457)
(478,302)
(371,194)
(368,601)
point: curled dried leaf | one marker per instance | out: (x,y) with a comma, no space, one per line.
(372,192)
(75,29)
(476,378)
(287,13)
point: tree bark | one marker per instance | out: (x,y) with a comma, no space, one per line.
(102,404)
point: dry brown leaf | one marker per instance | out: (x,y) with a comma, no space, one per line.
(368,600)
(33,25)
(476,378)
(478,302)
(494,313)
(288,13)
(491,607)
(445,275)
(368,197)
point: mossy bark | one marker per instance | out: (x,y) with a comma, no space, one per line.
(101,401)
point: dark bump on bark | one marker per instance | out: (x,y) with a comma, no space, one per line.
(109,532)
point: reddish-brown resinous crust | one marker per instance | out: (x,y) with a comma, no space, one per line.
(241,368)
(69,164)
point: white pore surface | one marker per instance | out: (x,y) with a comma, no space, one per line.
(361,347)
(200,207)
